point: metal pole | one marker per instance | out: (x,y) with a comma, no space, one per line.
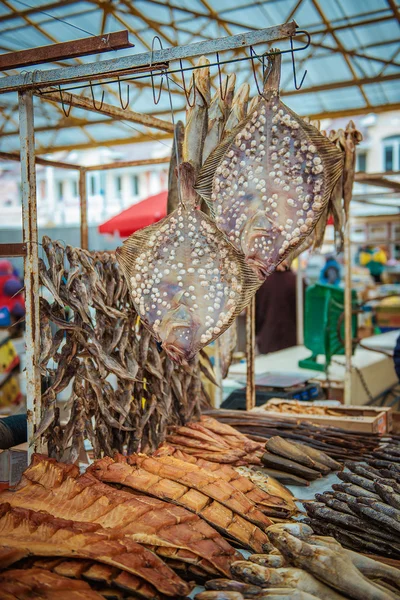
(31,268)
(84,209)
(348,335)
(299,304)
(250,354)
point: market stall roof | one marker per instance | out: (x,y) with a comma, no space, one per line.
(140,215)
(353,62)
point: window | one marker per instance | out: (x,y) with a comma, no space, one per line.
(391,153)
(135,185)
(118,185)
(361,162)
(75,188)
(60,190)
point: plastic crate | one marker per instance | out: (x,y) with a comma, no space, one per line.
(324,304)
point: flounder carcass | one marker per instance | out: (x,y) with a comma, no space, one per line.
(269,181)
(187,282)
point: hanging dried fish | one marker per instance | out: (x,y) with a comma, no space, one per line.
(270,180)
(187,282)
(197,115)
(176,158)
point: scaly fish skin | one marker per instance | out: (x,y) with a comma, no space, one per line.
(187,282)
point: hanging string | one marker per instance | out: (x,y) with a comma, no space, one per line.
(43,12)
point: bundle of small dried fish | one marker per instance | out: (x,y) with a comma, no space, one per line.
(187,282)
(102,335)
(307,566)
(363,512)
(303,408)
(200,491)
(337,443)
(269,181)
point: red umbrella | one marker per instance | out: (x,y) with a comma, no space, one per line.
(140,215)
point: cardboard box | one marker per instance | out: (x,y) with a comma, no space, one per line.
(13,463)
(368,419)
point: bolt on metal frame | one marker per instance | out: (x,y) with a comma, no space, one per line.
(26,85)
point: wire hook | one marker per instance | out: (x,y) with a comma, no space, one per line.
(156,99)
(120,95)
(222,94)
(292,51)
(66,113)
(252,55)
(93,99)
(186,92)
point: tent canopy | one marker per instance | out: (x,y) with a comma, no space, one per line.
(144,213)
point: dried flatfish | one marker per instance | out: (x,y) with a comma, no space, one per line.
(197,115)
(187,282)
(269,181)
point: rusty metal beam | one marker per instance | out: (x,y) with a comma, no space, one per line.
(334,85)
(31,266)
(117,40)
(129,163)
(143,137)
(106,109)
(40,161)
(18,249)
(106,68)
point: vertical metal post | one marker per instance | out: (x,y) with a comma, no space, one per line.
(299,304)
(250,354)
(31,269)
(84,209)
(348,334)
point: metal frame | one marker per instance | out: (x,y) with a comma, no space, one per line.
(27,85)
(213,17)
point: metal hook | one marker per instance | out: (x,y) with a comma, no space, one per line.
(66,113)
(222,94)
(187,93)
(120,95)
(93,99)
(292,51)
(156,100)
(252,55)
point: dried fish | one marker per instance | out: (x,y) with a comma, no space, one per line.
(282,447)
(235,586)
(270,180)
(197,115)
(186,281)
(176,159)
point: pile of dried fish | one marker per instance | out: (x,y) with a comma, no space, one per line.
(288,462)
(362,512)
(301,408)
(103,336)
(337,443)
(304,566)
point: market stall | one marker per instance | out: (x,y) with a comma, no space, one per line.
(137,487)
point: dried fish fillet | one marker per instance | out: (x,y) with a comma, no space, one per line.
(187,282)
(268,183)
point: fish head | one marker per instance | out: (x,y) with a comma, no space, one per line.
(178,333)
(258,240)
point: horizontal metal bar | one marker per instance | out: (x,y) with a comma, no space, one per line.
(40,161)
(129,163)
(110,110)
(64,50)
(101,69)
(13,249)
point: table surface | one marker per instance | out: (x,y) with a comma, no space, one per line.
(377,369)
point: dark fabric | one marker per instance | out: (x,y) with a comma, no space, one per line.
(276,312)
(396,357)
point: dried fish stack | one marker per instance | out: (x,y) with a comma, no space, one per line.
(362,512)
(101,336)
(304,566)
(337,443)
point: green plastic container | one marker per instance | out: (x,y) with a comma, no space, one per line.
(324,304)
